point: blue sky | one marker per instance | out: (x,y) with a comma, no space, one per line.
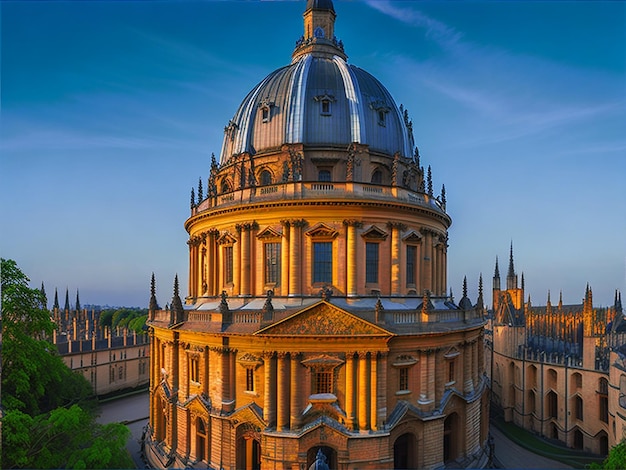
(111,110)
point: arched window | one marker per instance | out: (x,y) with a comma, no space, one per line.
(578,407)
(552,404)
(265,178)
(603,397)
(377,177)
(226,187)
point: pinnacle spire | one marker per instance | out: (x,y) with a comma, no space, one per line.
(77,302)
(154,305)
(67,300)
(56,299)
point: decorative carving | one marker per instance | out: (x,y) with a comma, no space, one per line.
(352,223)
(324,320)
(326,293)
(268,233)
(374,233)
(322,231)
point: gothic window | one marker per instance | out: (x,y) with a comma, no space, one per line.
(272,263)
(228,264)
(324,175)
(603,395)
(552,402)
(531,401)
(403,378)
(371,262)
(578,404)
(322,381)
(377,177)
(250,379)
(411,263)
(323,262)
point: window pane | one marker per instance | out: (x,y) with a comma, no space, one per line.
(323,175)
(323,262)
(411,255)
(272,263)
(371,263)
(228,264)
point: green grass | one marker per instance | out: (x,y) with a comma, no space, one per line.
(535,444)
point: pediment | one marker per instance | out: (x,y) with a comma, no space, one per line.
(413,237)
(226,239)
(322,231)
(269,232)
(323,319)
(452,353)
(197,408)
(374,233)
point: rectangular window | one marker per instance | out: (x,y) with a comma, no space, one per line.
(411,258)
(371,263)
(323,262)
(451,371)
(272,263)
(403,374)
(228,264)
(250,379)
(194,369)
(323,381)
(579,408)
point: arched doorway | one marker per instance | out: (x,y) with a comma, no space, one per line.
(201,439)
(578,439)
(329,453)
(248,448)
(604,443)
(405,452)
(450,437)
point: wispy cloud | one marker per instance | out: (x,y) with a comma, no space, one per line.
(438,31)
(515,95)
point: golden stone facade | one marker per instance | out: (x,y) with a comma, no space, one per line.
(318,325)
(558,370)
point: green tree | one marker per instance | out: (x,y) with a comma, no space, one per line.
(48,418)
(106,317)
(616,460)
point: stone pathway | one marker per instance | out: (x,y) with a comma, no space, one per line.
(511,455)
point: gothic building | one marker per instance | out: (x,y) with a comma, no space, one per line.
(111,360)
(317,327)
(558,370)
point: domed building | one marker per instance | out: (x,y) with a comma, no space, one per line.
(318,329)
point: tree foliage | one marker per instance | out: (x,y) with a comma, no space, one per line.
(48,417)
(616,460)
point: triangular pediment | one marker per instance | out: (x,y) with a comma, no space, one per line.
(374,233)
(226,239)
(322,231)
(323,319)
(197,408)
(268,232)
(413,237)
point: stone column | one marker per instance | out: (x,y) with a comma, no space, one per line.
(295,231)
(382,390)
(434,267)
(206,372)
(363,392)
(269,400)
(245,260)
(350,417)
(284,259)
(237,264)
(373,391)
(468,386)
(351,271)
(296,391)
(282,398)
(475,363)
(395,258)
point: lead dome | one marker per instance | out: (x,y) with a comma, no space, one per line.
(319,101)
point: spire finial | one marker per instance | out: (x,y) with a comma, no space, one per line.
(56,299)
(496,272)
(154,305)
(176,307)
(77,302)
(67,300)
(511,272)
